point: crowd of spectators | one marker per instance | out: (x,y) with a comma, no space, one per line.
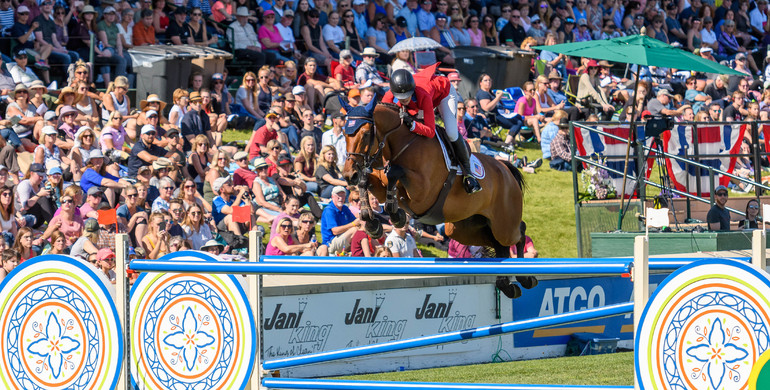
(80,161)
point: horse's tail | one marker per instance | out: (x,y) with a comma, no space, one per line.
(516,175)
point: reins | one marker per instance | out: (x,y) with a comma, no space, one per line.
(368,158)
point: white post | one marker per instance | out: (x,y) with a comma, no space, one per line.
(255,299)
(641,280)
(758,249)
(121,298)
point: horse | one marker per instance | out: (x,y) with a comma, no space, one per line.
(416,179)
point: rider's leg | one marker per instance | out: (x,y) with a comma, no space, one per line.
(448,111)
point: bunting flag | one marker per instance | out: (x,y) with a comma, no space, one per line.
(108,217)
(242,214)
(686,142)
(591,143)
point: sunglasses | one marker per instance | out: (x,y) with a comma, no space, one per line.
(307,221)
(66,201)
(195,213)
(286,226)
(131,196)
(275,148)
(168,188)
(721,194)
(197,14)
(754,207)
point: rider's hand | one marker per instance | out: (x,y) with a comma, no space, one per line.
(407,119)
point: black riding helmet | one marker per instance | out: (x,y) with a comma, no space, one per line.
(402,84)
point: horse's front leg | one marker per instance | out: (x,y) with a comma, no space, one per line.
(366,213)
(397,215)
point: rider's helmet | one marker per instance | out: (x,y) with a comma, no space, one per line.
(402,84)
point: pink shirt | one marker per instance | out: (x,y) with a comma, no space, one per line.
(274,35)
(523,108)
(216,11)
(273,251)
(116,135)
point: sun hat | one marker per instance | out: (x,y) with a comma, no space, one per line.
(161,163)
(37,84)
(195,96)
(554,75)
(152,98)
(211,244)
(592,64)
(17,88)
(260,162)
(242,11)
(49,130)
(104,254)
(369,52)
(66,110)
(68,91)
(89,9)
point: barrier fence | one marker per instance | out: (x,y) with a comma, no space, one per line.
(169,338)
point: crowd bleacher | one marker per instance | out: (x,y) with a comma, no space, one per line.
(81,161)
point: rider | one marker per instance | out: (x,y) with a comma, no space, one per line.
(423,95)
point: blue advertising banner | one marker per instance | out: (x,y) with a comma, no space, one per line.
(567,295)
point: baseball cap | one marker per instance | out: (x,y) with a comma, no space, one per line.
(104,254)
(662,92)
(284,161)
(720,188)
(172,132)
(288,13)
(401,21)
(454,76)
(534,19)
(150,113)
(240,155)
(37,168)
(177,11)
(92,225)
(49,130)
(569,20)
(111,10)
(298,90)
(148,129)
(359,2)
(345,53)
(219,182)
(289,97)
(271,114)
(354,93)
(95,190)
(582,22)
(49,115)
(268,12)
(217,76)
(706,50)
(740,56)
(338,189)
(21,9)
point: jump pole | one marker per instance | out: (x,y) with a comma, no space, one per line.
(641,281)
(329,384)
(121,304)
(255,299)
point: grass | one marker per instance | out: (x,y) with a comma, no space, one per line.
(616,369)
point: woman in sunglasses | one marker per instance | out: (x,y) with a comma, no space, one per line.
(66,222)
(196,230)
(283,242)
(306,233)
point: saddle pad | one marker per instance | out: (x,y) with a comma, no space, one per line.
(477,168)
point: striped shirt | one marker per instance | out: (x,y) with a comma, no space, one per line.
(6,19)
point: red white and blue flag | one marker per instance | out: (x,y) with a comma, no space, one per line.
(593,144)
(686,142)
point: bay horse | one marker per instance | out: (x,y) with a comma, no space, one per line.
(406,170)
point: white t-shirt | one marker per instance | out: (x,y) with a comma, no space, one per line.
(404,246)
(288,36)
(334,34)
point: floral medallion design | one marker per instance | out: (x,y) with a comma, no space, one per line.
(58,329)
(704,328)
(193,331)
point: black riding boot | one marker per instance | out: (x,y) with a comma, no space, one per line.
(463,156)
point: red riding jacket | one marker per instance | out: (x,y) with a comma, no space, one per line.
(429,91)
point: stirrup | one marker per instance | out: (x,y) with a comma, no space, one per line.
(471,184)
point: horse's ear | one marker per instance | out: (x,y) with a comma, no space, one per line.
(345,104)
(370,106)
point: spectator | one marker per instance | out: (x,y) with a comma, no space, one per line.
(196,229)
(306,233)
(223,210)
(45,35)
(221,161)
(333,35)
(23,245)
(199,31)
(344,72)
(718,217)
(338,224)
(513,34)
(263,135)
(751,220)
(491,36)
(327,174)
(662,104)
(403,60)
(312,37)
(195,122)
(245,42)
(144,31)
(178,31)
(361,245)
(270,36)
(561,156)
(116,98)
(283,243)
(401,244)
(133,215)
(526,107)
(529,246)
(550,131)
(582,33)
(397,32)
(590,85)
(377,37)
(309,129)
(336,138)
(155,242)
(145,152)
(366,71)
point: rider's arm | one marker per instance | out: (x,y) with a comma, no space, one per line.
(428,127)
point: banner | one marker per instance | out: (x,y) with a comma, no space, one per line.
(710,140)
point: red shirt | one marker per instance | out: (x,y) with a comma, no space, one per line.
(429,91)
(261,139)
(244,177)
(347,72)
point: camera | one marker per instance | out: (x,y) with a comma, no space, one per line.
(657,125)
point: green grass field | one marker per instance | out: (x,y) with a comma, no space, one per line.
(612,369)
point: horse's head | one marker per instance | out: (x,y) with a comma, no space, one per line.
(362,140)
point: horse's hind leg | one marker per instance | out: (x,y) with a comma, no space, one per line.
(503,283)
(527,282)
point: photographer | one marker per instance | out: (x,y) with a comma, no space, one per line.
(155,242)
(663,105)
(224,202)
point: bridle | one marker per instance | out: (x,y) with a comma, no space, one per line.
(367,156)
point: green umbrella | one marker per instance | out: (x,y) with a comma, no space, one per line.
(640,50)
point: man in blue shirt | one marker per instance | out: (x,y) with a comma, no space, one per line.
(409,12)
(144,152)
(425,19)
(222,209)
(338,224)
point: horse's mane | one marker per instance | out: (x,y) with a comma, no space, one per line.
(391,106)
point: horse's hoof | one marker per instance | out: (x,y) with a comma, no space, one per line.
(391,207)
(505,286)
(527,282)
(399,220)
(374,229)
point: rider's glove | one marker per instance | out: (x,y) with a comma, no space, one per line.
(407,119)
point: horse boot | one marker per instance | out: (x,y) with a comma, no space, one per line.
(512,291)
(463,156)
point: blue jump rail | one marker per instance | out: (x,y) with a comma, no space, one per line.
(386,268)
(329,384)
(655,264)
(467,334)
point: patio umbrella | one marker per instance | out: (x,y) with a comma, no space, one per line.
(414,44)
(640,50)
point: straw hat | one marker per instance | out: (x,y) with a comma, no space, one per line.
(68,91)
(89,9)
(369,52)
(152,98)
(37,84)
(19,87)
